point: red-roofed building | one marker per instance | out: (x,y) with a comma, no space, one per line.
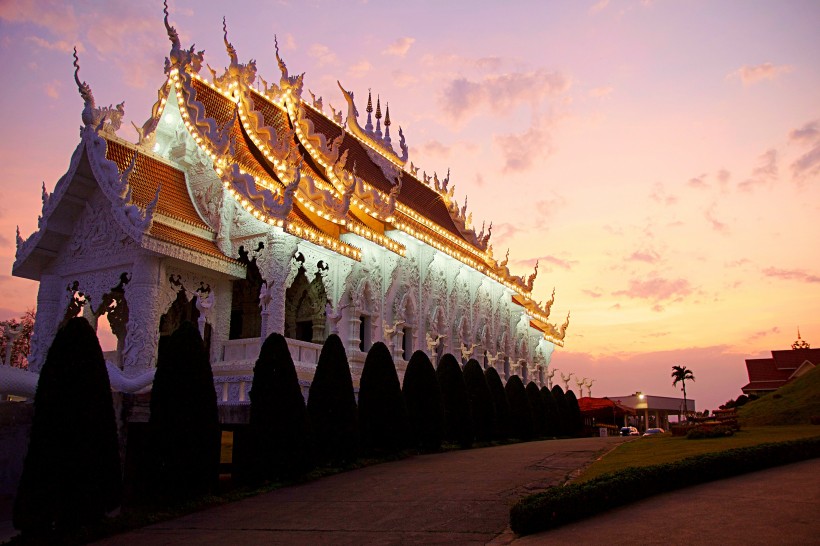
(769,374)
(599,411)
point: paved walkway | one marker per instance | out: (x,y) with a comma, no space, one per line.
(459,497)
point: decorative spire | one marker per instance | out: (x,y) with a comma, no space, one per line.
(800,344)
(378,118)
(387,140)
(229,46)
(368,127)
(85,93)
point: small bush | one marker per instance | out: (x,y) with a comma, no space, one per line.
(332,406)
(184,422)
(520,410)
(458,423)
(559,505)
(422,397)
(382,414)
(71,475)
(501,404)
(481,401)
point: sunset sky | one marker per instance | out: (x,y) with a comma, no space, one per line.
(660,158)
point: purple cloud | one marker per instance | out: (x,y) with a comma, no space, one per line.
(791,275)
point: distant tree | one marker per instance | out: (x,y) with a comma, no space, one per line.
(576,421)
(382,413)
(22,345)
(552,418)
(458,423)
(184,422)
(71,475)
(279,443)
(500,402)
(332,406)
(563,410)
(539,420)
(422,397)
(680,374)
(481,401)
(520,409)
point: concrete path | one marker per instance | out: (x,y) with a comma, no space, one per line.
(460,497)
(775,506)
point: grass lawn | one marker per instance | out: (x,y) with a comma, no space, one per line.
(667,448)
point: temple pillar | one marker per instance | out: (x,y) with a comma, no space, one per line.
(142,330)
(275,266)
(221,317)
(51,306)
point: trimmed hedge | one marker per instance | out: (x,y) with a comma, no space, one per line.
(550,412)
(502,405)
(563,410)
(71,475)
(575,422)
(184,422)
(422,396)
(331,406)
(382,414)
(559,505)
(539,416)
(520,410)
(279,441)
(458,422)
(481,401)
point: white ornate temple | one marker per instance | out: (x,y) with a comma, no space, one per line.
(249,210)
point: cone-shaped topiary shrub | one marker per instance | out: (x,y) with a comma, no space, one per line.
(71,475)
(575,421)
(520,410)
(279,443)
(563,410)
(539,420)
(382,415)
(458,423)
(481,401)
(332,406)
(552,419)
(502,405)
(184,423)
(422,397)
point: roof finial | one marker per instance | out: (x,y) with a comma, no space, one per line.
(800,344)
(368,127)
(387,140)
(228,45)
(378,118)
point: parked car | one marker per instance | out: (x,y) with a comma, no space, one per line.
(629,431)
(653,431)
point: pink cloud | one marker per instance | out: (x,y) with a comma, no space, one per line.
(360,69)
(660,195)
(600,92)
(656,288)
(463,98)
(648,256)
(503,232)
(521,150)
(60,45)
(764,173)
(592,293)
(716,224)
(52,88)
(323,54)
(753,74)
(698,182)
(763,333)
(598,7)
(808,164)
(434,148)
(791,275)
(400,47)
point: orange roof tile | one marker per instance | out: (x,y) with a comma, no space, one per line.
(148,174)
(169,234)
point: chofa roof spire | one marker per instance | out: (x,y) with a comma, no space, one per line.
(800,344)
(378,118)
(387,140)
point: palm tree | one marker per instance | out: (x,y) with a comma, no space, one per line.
(680,373)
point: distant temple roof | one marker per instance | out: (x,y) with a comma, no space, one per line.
(769,374)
